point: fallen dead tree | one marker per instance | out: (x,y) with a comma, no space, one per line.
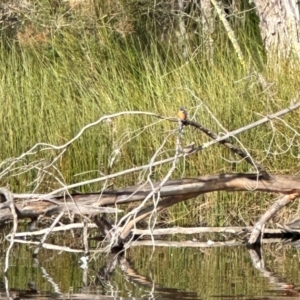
(153,196)
(183,189)
(172,192)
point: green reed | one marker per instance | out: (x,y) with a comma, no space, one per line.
(51,88)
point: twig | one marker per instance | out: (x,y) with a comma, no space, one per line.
(53,247)
(168,160)
(36,251)
(9,199)
(55,286)
(7,288)
(230,32)
(233,148)
(148,211)
(189,244)
(131,216)
(46,146)
(85,237)
(193,230)
(259,226)
(55,229)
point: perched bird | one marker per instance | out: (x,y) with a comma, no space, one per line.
(182,114)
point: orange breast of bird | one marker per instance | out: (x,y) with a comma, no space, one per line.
(182,114)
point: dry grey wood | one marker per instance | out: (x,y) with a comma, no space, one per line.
(193,230)
(170,192)
(85,237)
(256,184)
(230,33)
(36,251)
(279,28)
(258,263)
(10,203)
(189,188)
(52,247)
(157,231)
(208,26)
(257,231)
(175,191)
(55,229)
(158,243)
(169,201)
(190,244)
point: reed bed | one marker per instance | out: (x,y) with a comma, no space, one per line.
(68,68)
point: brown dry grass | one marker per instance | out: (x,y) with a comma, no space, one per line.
(32,36)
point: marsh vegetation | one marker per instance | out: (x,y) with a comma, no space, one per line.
(65,65)
(121,70)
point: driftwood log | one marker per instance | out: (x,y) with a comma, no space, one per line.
(172,192)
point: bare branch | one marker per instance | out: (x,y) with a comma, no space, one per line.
(230,32)
(36,251)
(10,202)
(278,205)
(220,139)
(44,146)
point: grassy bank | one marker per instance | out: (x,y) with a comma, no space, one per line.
(56,79)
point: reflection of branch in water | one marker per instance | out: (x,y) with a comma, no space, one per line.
(257,232)
(47,276)
(112,261)
(256,256)
(116,258)
(30,293)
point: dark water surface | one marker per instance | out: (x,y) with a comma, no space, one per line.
(160,273)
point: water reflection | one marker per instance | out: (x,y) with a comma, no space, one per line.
(142,272)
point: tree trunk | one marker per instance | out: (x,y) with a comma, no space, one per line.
(279,26)
(208,24)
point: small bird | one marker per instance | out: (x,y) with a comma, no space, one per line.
(182,114)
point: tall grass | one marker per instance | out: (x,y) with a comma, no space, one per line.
(56,80)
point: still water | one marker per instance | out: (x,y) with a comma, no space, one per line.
(144,272)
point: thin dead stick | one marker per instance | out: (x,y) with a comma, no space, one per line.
(158,243)
(64,146)
(259,226)
(188,244)
(55,229)
(7,288)
(230,32)
(155,190)
(252,125)
(47,276)
(10,201)
(148,211)
(233,148)
(85,237)
(36,251)
(193,230)
(157,231)
(53,247)
(258,261)
(168,160)
(196,244)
